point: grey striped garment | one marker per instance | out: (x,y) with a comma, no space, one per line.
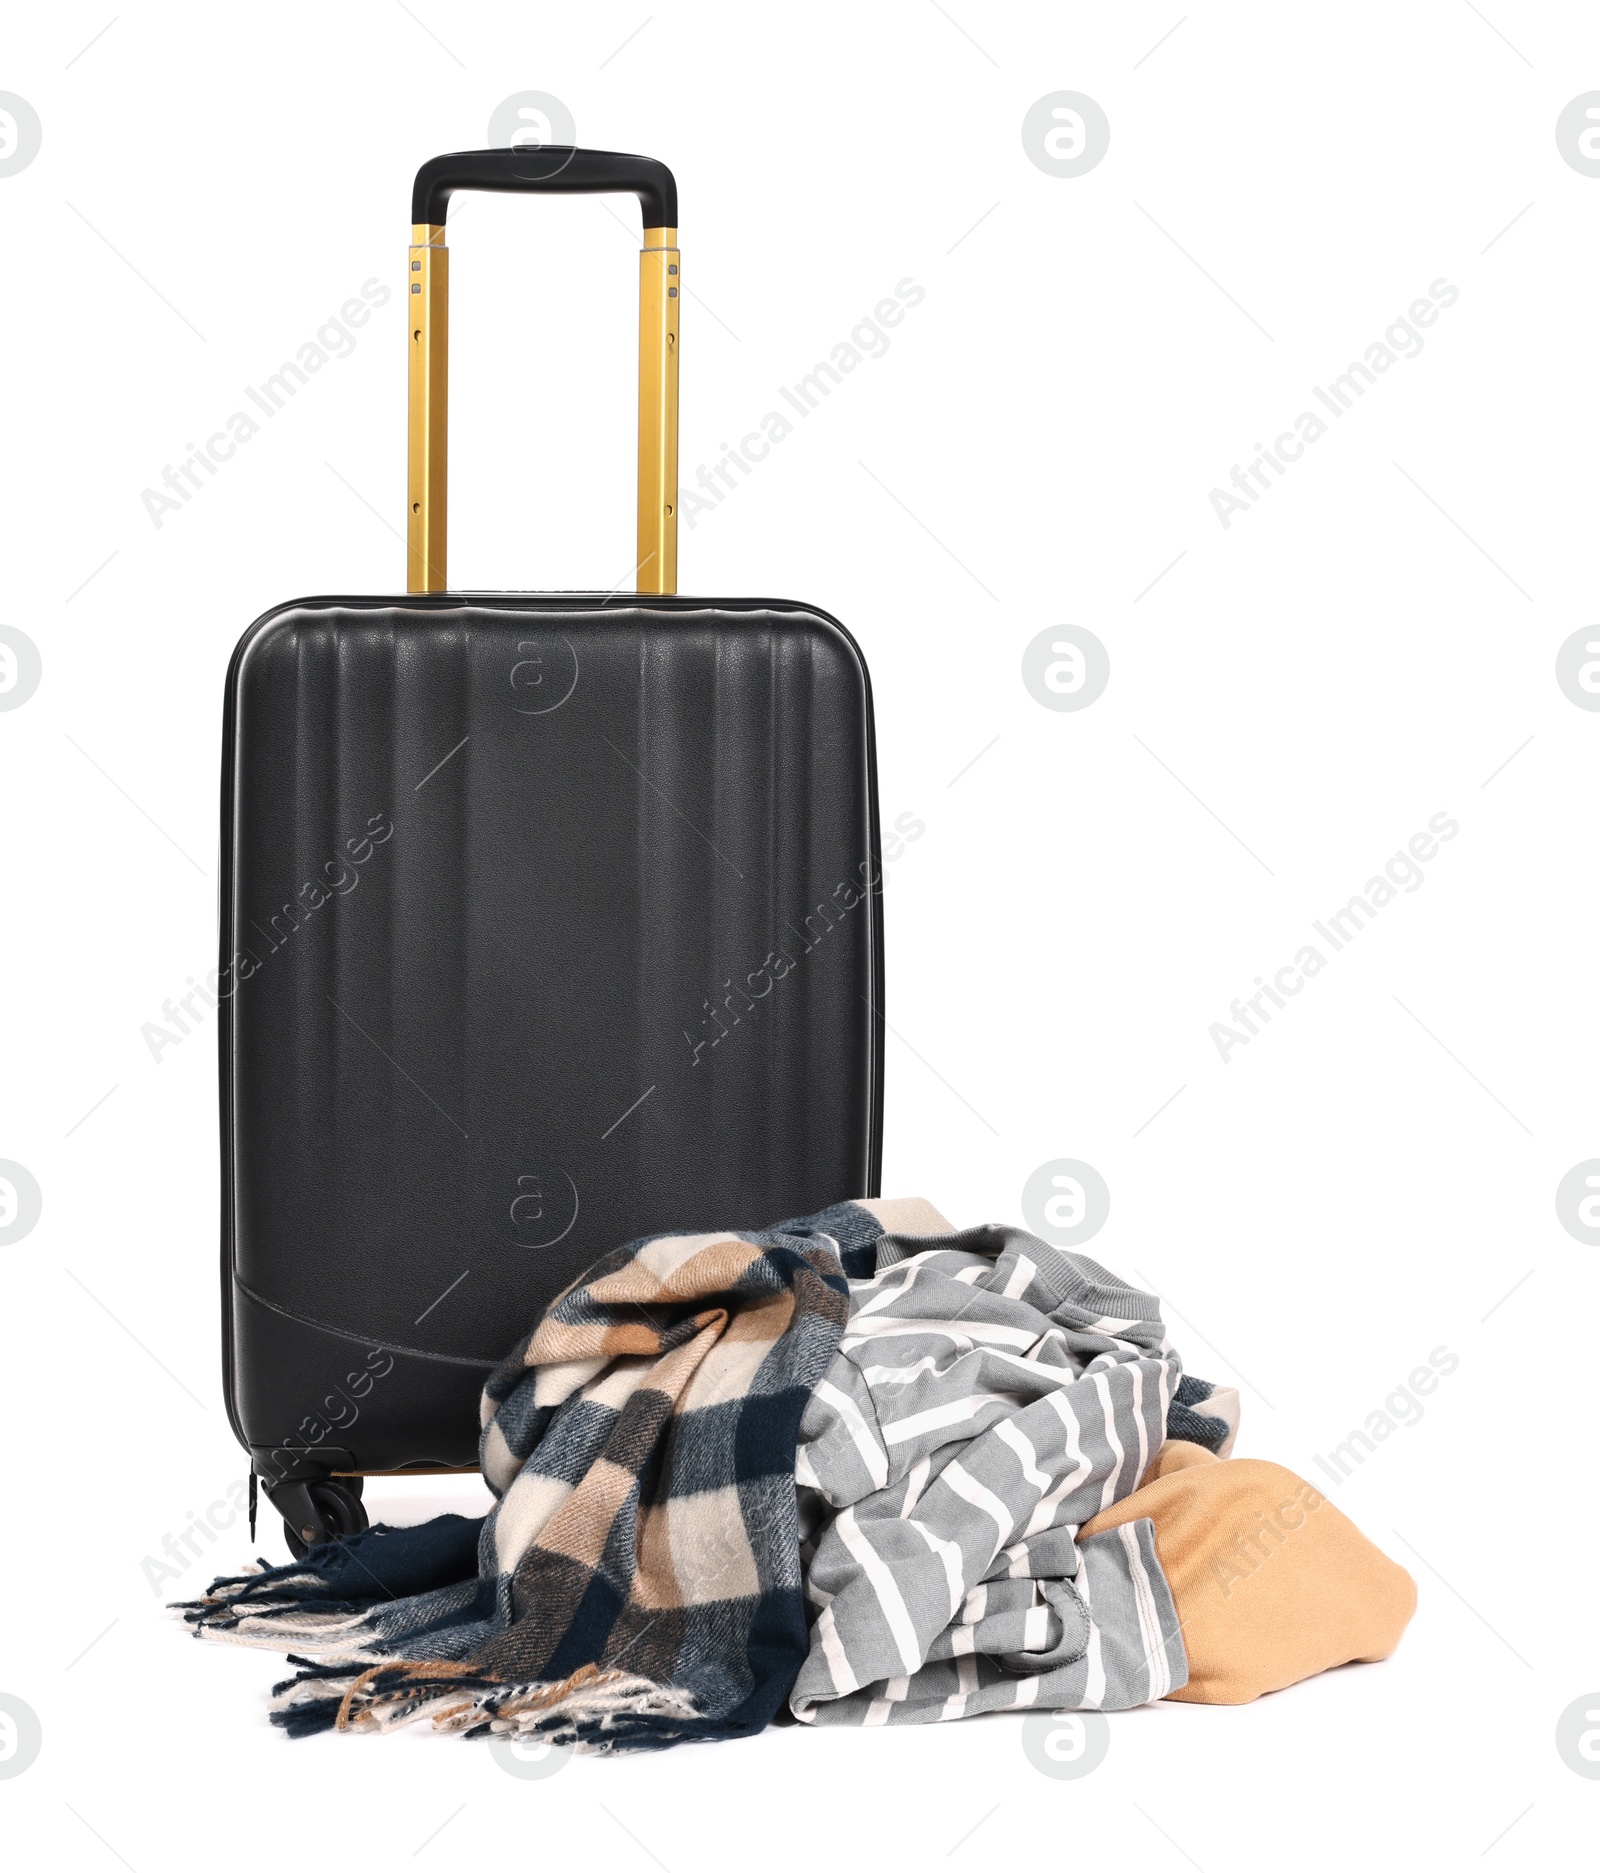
(991,1393)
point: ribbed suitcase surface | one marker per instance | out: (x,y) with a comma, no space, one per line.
(548,921)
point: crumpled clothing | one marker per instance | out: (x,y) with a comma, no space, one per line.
(990,1394)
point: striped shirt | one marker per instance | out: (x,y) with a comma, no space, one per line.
(990,1394)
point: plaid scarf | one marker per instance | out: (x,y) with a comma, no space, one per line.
(638,1582)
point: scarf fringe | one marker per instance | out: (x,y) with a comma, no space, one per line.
(276,1608)
(592,1711)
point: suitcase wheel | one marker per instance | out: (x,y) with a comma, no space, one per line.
(335,1512)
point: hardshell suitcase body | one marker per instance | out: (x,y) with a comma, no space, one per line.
(548,921)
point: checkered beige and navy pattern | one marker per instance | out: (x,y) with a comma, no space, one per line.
(638,1582)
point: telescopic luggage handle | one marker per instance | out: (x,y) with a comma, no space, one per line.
(550,169)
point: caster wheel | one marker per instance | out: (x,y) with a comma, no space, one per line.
(355,1485)
(338,1513)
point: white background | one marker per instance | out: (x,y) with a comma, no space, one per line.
(1367,646)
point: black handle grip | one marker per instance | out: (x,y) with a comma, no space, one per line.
(546,169)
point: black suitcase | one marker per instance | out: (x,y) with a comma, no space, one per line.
(549,920)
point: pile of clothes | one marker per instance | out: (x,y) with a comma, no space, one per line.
(857,1468)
